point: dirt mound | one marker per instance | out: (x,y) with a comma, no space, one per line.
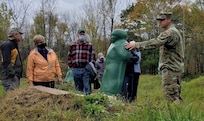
(31,104)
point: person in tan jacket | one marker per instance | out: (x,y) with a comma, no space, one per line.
(43,65)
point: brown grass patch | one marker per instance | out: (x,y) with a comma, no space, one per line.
(28,103)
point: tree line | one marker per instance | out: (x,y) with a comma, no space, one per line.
(140,20)
(99,18)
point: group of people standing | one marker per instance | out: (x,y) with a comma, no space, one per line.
(82,52)
(43,65)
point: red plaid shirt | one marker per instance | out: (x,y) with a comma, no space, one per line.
(80,54)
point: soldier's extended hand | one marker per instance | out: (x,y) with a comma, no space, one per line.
(131,45)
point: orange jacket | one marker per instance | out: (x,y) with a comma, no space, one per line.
(41,70)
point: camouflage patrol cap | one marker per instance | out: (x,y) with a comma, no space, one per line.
(164,15)
(13,31)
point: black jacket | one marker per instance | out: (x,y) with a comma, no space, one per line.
(12,64)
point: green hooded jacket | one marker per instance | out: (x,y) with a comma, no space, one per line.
(115,64)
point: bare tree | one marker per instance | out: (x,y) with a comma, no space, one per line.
(73,21)
(100,16)
(5,15)
(46,19)
(20,9)
(200,3)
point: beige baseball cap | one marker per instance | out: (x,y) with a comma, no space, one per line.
(13,31)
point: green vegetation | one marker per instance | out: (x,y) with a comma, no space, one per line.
(30,104)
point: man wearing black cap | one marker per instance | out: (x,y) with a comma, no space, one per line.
(80,54)
(171,61)
(12,66)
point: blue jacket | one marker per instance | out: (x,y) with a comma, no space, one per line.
(133,66)
(137,65)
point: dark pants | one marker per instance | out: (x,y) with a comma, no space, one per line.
(11,83)
(46,84)
(129,87)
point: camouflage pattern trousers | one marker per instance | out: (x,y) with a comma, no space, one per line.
(171,83)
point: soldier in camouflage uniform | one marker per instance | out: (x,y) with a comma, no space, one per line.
(171,61)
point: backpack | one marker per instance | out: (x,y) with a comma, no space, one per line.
(93,75)
(91,70)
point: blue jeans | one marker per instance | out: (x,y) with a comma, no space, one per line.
(11,83)
(81,80)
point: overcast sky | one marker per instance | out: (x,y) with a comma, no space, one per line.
(63,6)
(75,4)
(71,5)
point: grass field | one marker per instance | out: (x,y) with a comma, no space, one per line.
(150,105)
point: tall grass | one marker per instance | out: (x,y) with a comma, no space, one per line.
(150,104)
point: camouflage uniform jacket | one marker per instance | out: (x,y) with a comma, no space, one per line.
(171,49)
